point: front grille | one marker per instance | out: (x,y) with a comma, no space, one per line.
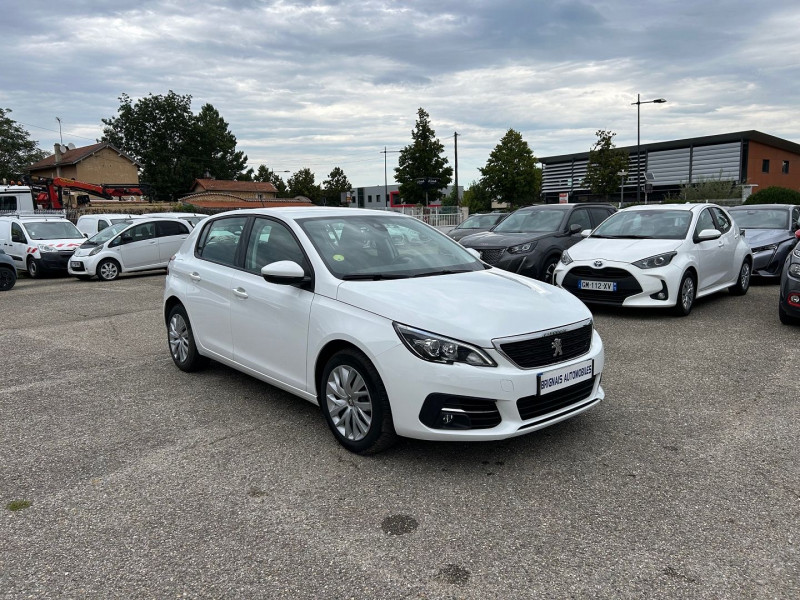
(492,255)
(539,351)
(446,411)
(627,285)
(531,407)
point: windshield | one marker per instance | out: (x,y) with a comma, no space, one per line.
(480,221)
(107,233)
(761,218)
(646,224)
(385,247)
(532,221)
(52,230)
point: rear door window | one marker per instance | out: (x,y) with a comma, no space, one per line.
(168,228)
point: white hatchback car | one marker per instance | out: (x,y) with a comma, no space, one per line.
(658,256)
(141,245)
(387,324)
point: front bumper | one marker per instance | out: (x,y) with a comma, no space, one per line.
(83,265)
(529,264)
(54,261)
(504,399)
(635,287)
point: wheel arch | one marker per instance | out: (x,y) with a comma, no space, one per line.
(325,354)
(169,304)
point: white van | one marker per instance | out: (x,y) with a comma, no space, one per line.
(38,243)
(15,198)
(142,245)
(89,225)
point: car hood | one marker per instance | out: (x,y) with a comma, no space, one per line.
(491,239)
(764,237)
(457,234)
(474,307)
(622,250)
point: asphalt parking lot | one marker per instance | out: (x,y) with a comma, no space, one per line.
(146,482)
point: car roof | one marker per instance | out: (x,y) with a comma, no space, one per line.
(302,212)
(761,206)
(688,206)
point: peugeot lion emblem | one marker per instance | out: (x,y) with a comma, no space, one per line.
(557,347)
(598,263)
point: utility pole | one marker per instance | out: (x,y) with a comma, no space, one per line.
(455,142)
(60,137)
(385,152)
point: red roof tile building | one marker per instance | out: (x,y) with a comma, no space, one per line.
(99,163)
(219,194)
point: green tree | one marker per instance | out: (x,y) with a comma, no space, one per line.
(302,183)
(214,148)
(173,145)
(477,198)
(774,195)
(422,159)
(17,150)
(706,189)
(605,164)
(511,174)
(334,185)
(266,174)
(246,175)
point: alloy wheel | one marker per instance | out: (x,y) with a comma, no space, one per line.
(348,402)
(178,338)
(687,293)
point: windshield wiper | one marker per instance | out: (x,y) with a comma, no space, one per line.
(442,272)
(372,276)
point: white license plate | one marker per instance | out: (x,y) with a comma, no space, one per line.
(599,286)
(75,263)
(550,381)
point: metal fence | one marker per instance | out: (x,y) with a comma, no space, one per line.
(445,217)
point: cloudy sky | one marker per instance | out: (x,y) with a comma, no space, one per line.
(328,83)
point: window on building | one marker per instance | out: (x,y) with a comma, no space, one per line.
(785,167)
(369,198)
(378,198)
(765,165)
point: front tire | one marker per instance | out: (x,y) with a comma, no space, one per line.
(549,270)
(687,291)
(108,270)
(182,346)
(355,404)
(743,282)
(34,270)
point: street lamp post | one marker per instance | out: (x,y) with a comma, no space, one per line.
(621,185)
(638,104)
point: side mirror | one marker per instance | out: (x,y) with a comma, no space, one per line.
(86,235)
(797,234)
(574,228)
(743,232)
(284,272)
(126,239)
(708,234)
(586,233)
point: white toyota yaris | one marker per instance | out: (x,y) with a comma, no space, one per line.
(658,256)
(386,323)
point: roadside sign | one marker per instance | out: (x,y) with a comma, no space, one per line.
(563,198)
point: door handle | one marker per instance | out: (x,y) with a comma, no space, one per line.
(240,293)
(195,276)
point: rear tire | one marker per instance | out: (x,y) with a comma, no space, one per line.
(8,277)
(354,403)
(743,283)
(33,268)
(687,291)
(108,270)
(180,337)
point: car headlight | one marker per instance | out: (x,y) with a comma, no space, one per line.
(437,348)
(794,270)
(770,247)
(47,248)
(565,258)
(796,251)
(522,248)
(95,250)
(652,262)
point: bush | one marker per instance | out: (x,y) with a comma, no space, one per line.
(774,195)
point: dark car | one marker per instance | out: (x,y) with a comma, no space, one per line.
(770,232)
(789,299)
(530,240)
(476,224)
(8,272)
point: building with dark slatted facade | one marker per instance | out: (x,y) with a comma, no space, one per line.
(744,157)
